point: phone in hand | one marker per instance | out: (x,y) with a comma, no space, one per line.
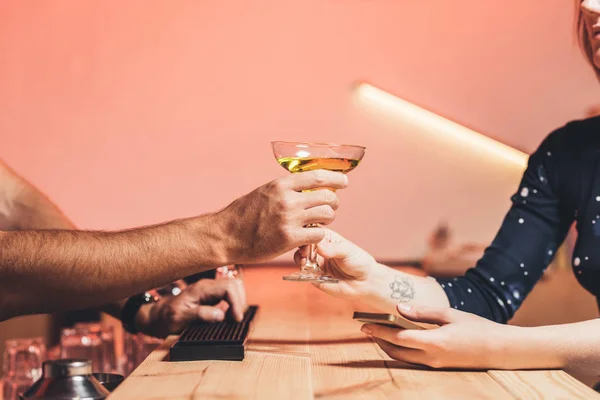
(395,321)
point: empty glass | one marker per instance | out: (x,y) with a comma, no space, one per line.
(135,350)
(128,360)
(110,351)
(22,365)
(107,336)
(85,341)
(144,346)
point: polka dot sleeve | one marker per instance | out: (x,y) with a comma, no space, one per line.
(533,229)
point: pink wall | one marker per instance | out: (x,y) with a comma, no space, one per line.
(129,113)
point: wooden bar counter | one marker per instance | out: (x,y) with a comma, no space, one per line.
(305,345)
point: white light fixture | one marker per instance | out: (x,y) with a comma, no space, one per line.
(440,124)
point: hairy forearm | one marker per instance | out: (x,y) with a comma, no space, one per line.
(24,207)
(388,287)
(78,269)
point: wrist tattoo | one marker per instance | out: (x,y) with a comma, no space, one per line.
(402,289)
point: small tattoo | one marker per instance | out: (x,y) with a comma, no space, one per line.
(402,289)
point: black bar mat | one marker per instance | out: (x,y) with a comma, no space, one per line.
(213,341)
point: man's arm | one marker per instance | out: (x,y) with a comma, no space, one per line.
(24,207)
(48,270)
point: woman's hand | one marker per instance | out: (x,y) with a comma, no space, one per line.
(363,279)
(354,267)
(463,340)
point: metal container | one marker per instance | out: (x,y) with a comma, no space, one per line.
(109,381)
(65,380)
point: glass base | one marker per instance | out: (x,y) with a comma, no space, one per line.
(310,276)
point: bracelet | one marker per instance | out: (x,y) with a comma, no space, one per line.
(132,306)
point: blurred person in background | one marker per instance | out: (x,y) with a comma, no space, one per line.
(445,258)
(560,186)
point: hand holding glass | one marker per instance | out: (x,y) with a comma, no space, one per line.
(302,157)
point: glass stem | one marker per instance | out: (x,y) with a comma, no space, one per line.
(312,264)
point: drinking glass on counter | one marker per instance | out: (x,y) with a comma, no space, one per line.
(22,365)
(128,362)
(145,346)
(135,350)
(111,364)
(107,338)
(91,341)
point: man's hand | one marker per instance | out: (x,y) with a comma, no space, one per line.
(274,218)
(206,300)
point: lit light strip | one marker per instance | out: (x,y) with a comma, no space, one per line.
(438,123)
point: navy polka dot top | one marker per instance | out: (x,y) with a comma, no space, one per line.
(560,186)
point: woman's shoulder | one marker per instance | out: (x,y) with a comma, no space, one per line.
(583,129)
(575,135)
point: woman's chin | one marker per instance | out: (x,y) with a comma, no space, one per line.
(596,62)
(596,57)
